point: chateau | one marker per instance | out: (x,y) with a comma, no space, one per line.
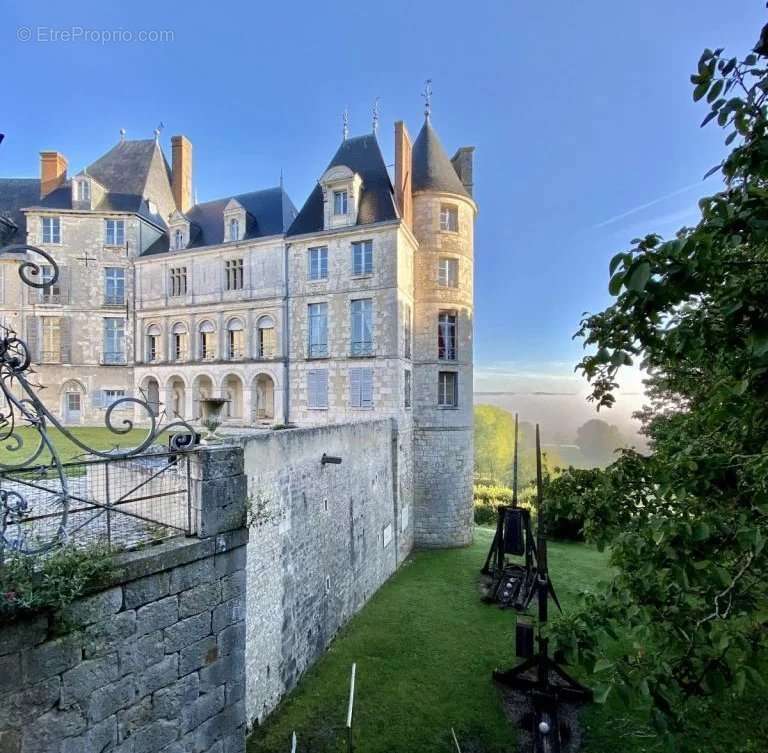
(357,306)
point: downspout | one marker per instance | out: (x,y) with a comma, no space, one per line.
(286,340)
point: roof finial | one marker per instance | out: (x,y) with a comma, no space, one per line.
(427,94)
(281,177)
(159,128)
(122,134)
(375,116)
(345,121)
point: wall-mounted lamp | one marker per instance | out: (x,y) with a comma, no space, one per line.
(330,459)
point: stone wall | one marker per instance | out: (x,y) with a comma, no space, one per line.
(323,539)
(155,662)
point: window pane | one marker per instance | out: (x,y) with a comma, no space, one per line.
(318,329)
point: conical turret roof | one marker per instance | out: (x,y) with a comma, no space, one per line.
(432,170)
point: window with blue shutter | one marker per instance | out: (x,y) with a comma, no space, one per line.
(318,330)
(362,258)
(317,388)
(361,388)
(317,263)
(362,327)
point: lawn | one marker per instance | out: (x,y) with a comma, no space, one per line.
(98,437)
(425,646)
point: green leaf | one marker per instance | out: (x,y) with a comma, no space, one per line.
(602,693)
(615,262)
(601,665)
(614,286)
(639,277)
(700,531)
(717,87)
(700,91)
(709,117)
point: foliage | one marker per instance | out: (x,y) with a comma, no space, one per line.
(31,584)
(598,442)
(567,496)
(494,448)
(487,498)
(687,525)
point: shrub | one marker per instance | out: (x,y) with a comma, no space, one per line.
(31,584)
(565,498)
(487,499)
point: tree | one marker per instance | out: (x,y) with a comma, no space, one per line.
(687,524)
(598,441)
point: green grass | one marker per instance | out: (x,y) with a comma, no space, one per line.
(98,437)
(425,647)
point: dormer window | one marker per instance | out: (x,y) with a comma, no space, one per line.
(178,240)
(234,229)
(342,189)
(340,202)
(83,190)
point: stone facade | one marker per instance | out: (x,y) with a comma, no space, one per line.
(191,330)
(323,538)
(155,662)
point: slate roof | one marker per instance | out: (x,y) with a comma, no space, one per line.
(432,170)
(16,193)
(268,212)
(377,202)
(123,172)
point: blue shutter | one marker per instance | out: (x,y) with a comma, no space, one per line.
(366,388)
(355,383)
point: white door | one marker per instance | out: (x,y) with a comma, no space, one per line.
(72,402)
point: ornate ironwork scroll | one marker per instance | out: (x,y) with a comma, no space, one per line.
(33,449)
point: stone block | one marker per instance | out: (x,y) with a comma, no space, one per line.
(158,675)
(231,639)
(10,741)
(218,462)
(199,654)
(192,575)
(199,598)
(10,673)
(78,683)
(224,669)
(108,635)
(29,703)
(222,505)
(51,658)
(157,615)
(142,591)
(22,634)
(235,743)
(112,698)
(139,654)
(235,691)
(133,718)
(230,562)
(94,608)
(233,585)
(167,703)
(206,706)
(100,737)
(228,613)
(46,734)
(186,632)
(155,736)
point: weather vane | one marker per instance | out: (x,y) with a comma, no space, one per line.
(427,94)
(375,116)
(345,121)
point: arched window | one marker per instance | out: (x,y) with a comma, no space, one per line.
(207,344)
(180,342)
(234,229)
(153,343)
(235,339)
(178,239)
(267,339)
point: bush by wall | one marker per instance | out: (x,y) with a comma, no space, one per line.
(487,499)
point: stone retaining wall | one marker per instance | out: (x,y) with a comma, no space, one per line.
(155,662)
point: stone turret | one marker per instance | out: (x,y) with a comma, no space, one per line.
(443,223)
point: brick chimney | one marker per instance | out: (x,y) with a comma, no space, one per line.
(53,172)
(181,172)
(403,195)
(462,164)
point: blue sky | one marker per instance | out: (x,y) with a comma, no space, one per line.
(581,113)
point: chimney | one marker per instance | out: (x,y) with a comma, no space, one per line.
(181,172)
(403,163)
(53,172)
(462,164)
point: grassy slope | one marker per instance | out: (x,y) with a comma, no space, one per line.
(425,647)
(97,437)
